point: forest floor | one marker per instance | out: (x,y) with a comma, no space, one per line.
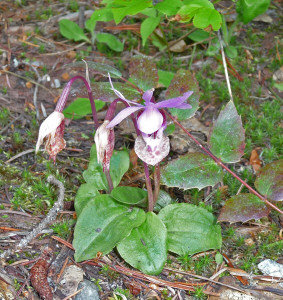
(31,50)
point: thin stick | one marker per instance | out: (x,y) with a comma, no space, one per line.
(49,217)
(225,66)
(218,161)
(19,155)
(63,51)
(28,79)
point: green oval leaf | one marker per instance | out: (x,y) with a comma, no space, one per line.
(86,192)
(208,18)
(183,82)
(165,77)
(119,165)
(242,208)
(81,107)
(111,41)
(190,229)
(169,7)
(129,195)
(145,248)
(143,72)
(102,225)
(194,170)
(147,27)
(227,138)
(72,31)
(269,181)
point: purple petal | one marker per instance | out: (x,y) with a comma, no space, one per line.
(122,115)
(147,96)
(174,102)
(150,120)
(184,106)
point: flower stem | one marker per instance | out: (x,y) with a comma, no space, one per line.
(63,98)
(219,162)
(149,187)
(156,177)
(109,180)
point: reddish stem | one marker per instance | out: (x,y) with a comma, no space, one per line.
(218,161)
(63,98)
(149,188)
(156,183)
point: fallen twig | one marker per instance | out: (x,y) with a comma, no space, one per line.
(19,155)
(49,217)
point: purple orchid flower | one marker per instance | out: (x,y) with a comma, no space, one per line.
(151,119)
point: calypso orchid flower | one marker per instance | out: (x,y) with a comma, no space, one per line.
(151,146)
(52,128)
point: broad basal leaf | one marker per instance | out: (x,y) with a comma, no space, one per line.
(102,91)
(249,9)
(269,181)
(99,68)
(163,200)
(81,107)
(72,31)
(102,14)
(169,7)
(129,195)
(111,41)
(190,229)
(86,192)
(227,138)
(119,164)
(102,224)
(183,82)
(194,170)
(145,248)
(242,208)
(143,72)
(165,77)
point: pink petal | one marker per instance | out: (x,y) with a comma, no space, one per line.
(147,96)
(150,120)
(122,115)
(174,102)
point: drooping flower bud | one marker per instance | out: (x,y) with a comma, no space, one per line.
(104,139)
(52,130)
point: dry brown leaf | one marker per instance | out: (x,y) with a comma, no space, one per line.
(255,162)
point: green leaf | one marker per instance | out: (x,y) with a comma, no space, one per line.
(163,200)
(190,229)
(145,248)
(86,192)
(119,165)
(99,68)
(279,86)
(182,82)
(128,8)
(111,41)
(208,18)
(194,170)
(169,7)
(227,138)
(165,77)
(143,72)
(242,208)
(81,107)
(103,91)
(187,12)
(148,26)
(72,31)
(129,195)
(249,9)
(102,14)
(231,51)
(199,35)
(269,181)
(102,224)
